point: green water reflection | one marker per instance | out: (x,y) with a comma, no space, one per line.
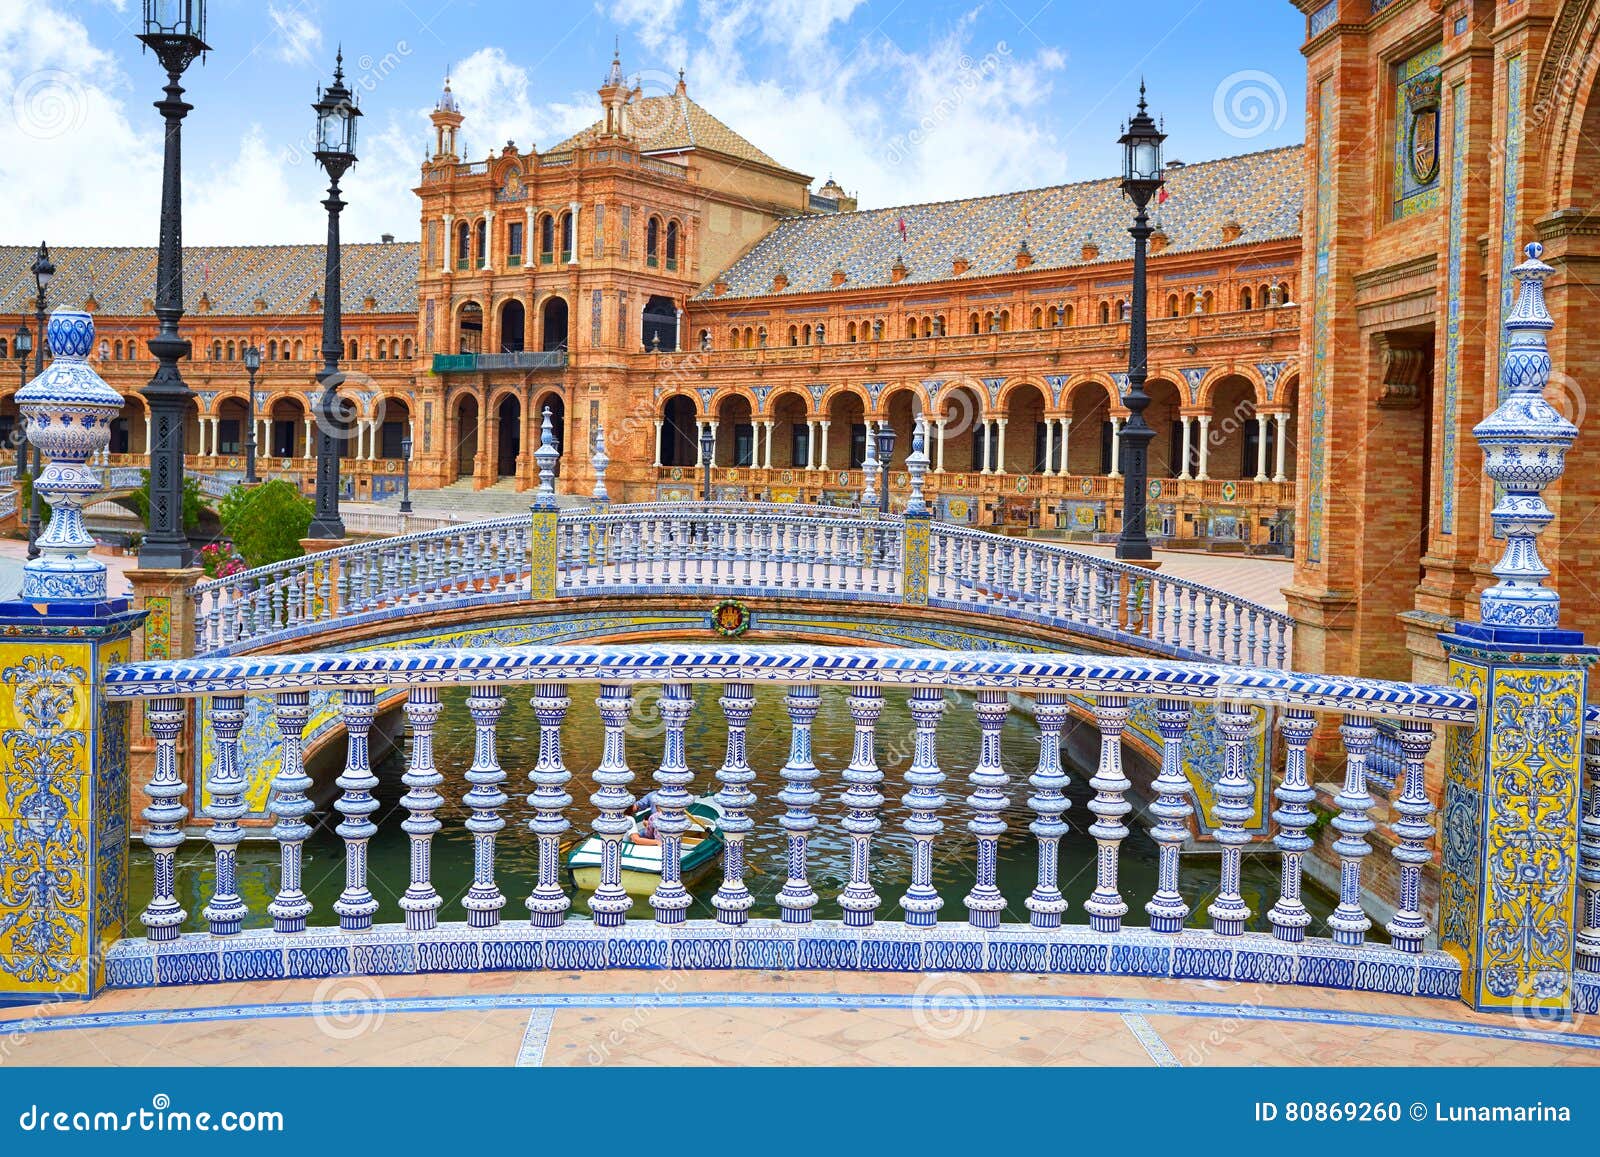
(768,745)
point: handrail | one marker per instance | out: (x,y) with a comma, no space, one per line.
(734,548)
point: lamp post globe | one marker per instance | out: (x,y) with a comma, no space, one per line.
(336,151)
(1142,176)
(175,31)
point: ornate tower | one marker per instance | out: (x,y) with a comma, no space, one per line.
(446,118)
(614,99)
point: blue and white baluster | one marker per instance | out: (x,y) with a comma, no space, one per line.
(733,899)
(863,799)
(548,902)
(290,908)
(610,902)
(1348,922)
(1233,809)
(1587,945)
(923,801)
(421,901)
(671,899)
(356,905)
(1289,917)
(1105,904)
(797,897)
(483,900)
(1408,929)
(1049,781)
(164,815)
(988,779)
(225,784)
(1172,810)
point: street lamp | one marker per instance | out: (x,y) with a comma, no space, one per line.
(1141,177)
(175,31)
(336,151)
(21,347)
(885,452)
(405,477)
(252,363)
(708,447)
(44,270)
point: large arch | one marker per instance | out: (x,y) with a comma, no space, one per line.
(286,420)
(680,432)
(660,324)
(1163,415)
(791,429)
(958,429)
(513,327)
(1023,406)
(557,405)
(466,447)
(553,324)
(735,431)
(846,437)
(469,328)
(1088,404)
(901,406)
(508,435)
(1234,434)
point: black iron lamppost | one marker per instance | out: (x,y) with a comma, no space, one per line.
(175,30)
(43,271)
(708,448)
(21,347)
(885,452)
(252,363)
(336,150)
(1141,177)
(405,477)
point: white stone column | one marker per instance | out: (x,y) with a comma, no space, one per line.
(699,444)
(449,242)
(657,456)
(985,444)
(1205,447)
(1283,446)
(374,437)
(575,207)
(1066,434)
(677,333)
(939,442)
(1261,448)
(1000,447)
(766,459)
(309,448)
(488,240)
(1116,447)
(149,435)
(822,461)
(1184,471)
(1049,447)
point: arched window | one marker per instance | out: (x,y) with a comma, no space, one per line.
(1038,318)
(231,352)
(354,351)
(566,238)
(480,243)
(652,242)
(1245,301)
(1206,302)
(216,351)
(383,351)
(1172,305)
(1005,321)
(938,326)
(672,245)
(1283,292)
(547,239)
(133,350)
(463,245)
(116,350)
(407,348)
(272,350)
(1105,313)
(105,350)
(805,335)
(299,351)
(988,321)
(976,325)
(749,338)
(1068,318)
(794,335)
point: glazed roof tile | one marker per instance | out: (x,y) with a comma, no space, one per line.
(121,279)
(672,123)
(1261,192)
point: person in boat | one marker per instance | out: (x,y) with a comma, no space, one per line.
(644,831)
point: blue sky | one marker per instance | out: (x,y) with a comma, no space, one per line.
(900,100)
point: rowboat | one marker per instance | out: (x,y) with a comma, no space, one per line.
(641,858)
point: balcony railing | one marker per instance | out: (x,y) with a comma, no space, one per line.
(935,824)
(483,363)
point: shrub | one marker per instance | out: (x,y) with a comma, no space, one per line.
(266,522)
(219,559)
(194,502)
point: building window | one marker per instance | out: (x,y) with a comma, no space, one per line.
(622,319)
(627,231)
(594,317)
(228,436)
(652,242)
(672,245)
(599,231)
(566,238)
(547,239)
(514,244)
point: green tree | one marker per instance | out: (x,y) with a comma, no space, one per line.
(266,522)
(194,502)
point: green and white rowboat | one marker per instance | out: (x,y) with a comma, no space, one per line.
(641,859)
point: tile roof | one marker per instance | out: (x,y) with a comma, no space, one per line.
(672,123)
(122,278)
(1262,192)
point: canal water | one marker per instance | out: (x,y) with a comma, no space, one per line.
(768,749)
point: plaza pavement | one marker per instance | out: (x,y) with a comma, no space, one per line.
(768,1018)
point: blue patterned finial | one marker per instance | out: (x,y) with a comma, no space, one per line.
(600,460)
(869,473)
(69,410)
(1524,444)
(547,456)
(917,467)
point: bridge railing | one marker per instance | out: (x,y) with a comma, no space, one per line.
(1055,584)
(731,548)
(936,822)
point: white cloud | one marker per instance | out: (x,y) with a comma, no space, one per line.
(298,37)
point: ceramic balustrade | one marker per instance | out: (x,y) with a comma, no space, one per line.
(1052,688)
